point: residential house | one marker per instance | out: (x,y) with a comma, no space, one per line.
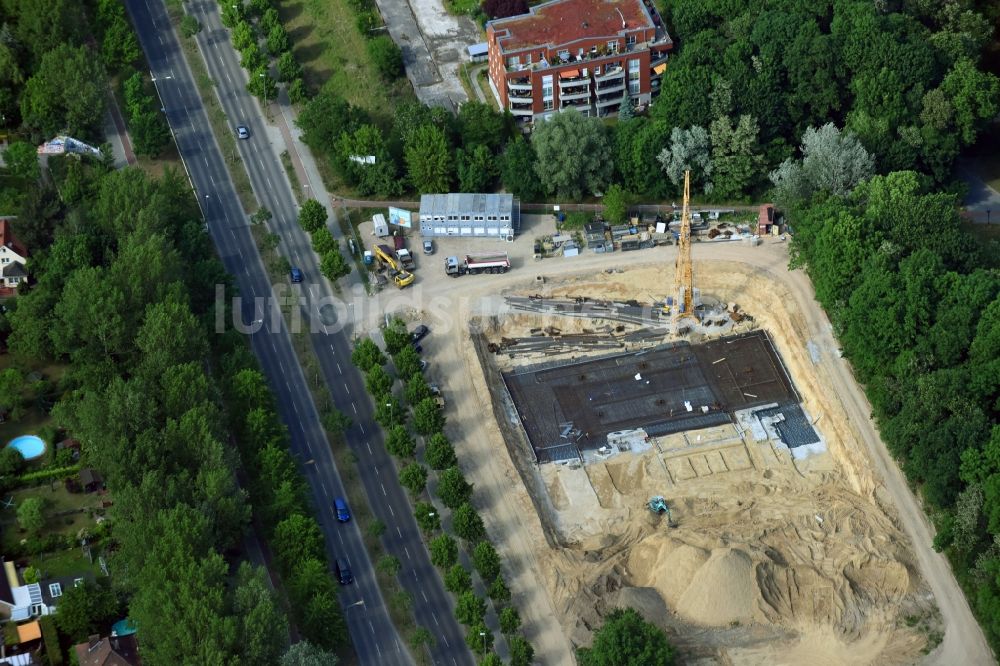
(91,480)
(111,651)
(19,602)
(53,588)
(587,55)
(13,256)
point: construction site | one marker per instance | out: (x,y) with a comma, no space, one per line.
(698,468)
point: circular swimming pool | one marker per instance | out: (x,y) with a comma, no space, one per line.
(29,446)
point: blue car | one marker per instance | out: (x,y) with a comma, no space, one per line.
(340,505)
(296,275)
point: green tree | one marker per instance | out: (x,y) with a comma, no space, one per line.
(479,124)
(388,412)
(11,462)
(252,57)
(262,626)
(31,514)
(479,638)
(521,652)
(388,565)
(305,653)
(975,96)
(67,92)
(457,580)
(324,119)
(486,560)
(277,40)
(626,639)
(510,621)
(467,523)
(491,659)
(190,26)
(417,388)
(439,453)
(297,91)
(21,159)
(366,355)
(422,636)
(119,46)
(386,56)
(12,387)
(396,336)
(429,160)
(735,160)
(832,161)
(477,168)
(297,538)
(261,85)
(470,609)
(150,133)
(444,551)
(407,363)
(312,216)
(377,381)
(689,149)
(558,145)
(399,443)
(45,25)
(427,517)
(517,170)
(365,160)
(83,608)
(243,35)
(499,592)
(427,417)
(289,68)
(452,488)
(413,477)
(616,202)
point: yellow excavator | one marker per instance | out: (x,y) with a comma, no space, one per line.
(386,256)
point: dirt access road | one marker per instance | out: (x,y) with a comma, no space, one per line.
(446,303)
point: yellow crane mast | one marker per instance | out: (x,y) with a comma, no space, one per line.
(684,277)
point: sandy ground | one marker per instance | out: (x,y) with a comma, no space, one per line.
(772,561)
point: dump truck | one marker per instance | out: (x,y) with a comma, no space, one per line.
(400,276)
(477,263)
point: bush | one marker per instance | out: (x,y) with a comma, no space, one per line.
(297,92)
(386,56)
(52,650)
(367,21)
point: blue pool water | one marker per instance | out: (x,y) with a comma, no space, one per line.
(29,446)
(123,628)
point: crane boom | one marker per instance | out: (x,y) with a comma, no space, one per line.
(684,274)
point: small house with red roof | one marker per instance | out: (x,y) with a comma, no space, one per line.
(13,257)
(766,222)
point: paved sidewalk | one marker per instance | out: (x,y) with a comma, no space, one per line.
(117,135)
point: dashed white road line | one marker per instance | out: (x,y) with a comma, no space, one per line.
(338,369)
(355,408)
(406,550)
(347,388)
(399,532)
(383,489)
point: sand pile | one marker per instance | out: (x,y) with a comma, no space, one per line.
(722,591)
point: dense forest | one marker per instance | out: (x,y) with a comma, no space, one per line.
(746,81)
(122,297)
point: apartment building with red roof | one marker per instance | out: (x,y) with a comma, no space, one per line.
(581,54)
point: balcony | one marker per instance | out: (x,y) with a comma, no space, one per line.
(521,112)
(519,84)
(583,93)
(608,101)
(515,98)
(579,105)
(579,82)
(617,87)
(611,74)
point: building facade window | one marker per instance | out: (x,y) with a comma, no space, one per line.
(513,61)
(547,86)
(55,590)
(613,46)
(547,104)
(633,76)
(630,40)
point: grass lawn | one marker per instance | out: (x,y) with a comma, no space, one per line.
(332,51)
(57,500)
(462,7)
(65,563)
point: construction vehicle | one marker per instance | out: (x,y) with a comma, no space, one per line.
(658,505)
(387,258)
(477,263)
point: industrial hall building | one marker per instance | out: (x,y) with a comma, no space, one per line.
(586,55)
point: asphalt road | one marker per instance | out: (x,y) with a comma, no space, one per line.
(375,638)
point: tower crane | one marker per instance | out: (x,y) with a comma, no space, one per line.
(684,274)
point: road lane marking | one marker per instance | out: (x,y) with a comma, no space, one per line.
(391,510)
(347,388)
(372,627)
(370,451)
(446,643)
(399,532)
(355,408)
(339,370)
(363,432)
(424,595)
(406,550)
(383,489)
(436,623)
(323,484)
